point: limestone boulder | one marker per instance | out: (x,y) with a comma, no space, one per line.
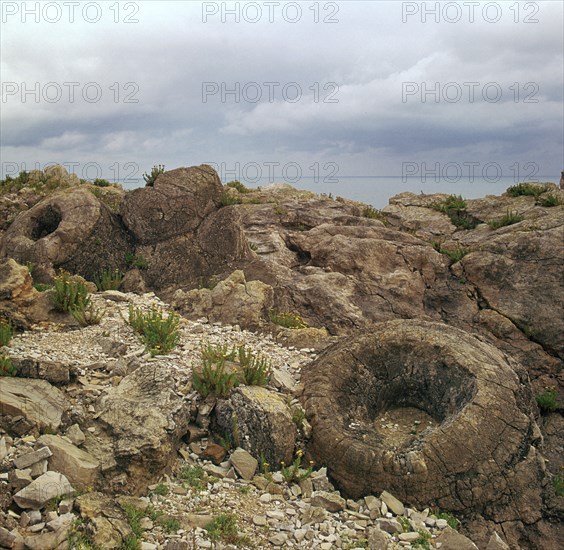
(470,397)
(260,422)
(47,486)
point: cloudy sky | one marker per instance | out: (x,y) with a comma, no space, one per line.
(344,97)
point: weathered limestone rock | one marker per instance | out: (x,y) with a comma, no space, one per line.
(453,540)
(142,420)
(36,400)
(332,502)
(71,230)
(496,543)
(262,420)
(53,371)
(471,392)
(244,463)
(231,301)
(28,459)
(392,503)
(43,489)
(79,467)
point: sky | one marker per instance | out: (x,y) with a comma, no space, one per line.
(362,99)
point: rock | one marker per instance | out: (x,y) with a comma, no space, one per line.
(142,421)
(213,452)
(71,230)
(36,400)
(392,503)
(264,423)
(189,521)
(43,489)
(54,372)
(20,479)
(57,535)
(231,301)
(472,392)
(244,463)
(377,539)
(28,459)
(176,204)
(496,543)
(453,540)
(332,502)
(278,539)
(283,380)
(79,467)
(6,538)
(390,526)
(410,536)
(3,448)
(372,503)
(75,434)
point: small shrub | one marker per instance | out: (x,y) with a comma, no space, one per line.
(287,319)
(454,206)
(42,287)
(131,260)
(6,332)
(156,171)
(253,246)
(213,379)
(159,333)
(255,369)
(455,255)
(227,199)
(169,524)
(134,517)
(193,475)
(298,417)
(558,483)
(423,541)
(453,523)
(508,219)
(161,489)
(548,201)
(78,539)
(6,366)
(69,292)
(239,186)
(295,473)
(217,352)
(108,279)
(87,315)
(547,400)
(373,214)
(99,182)
(223,527)
(526,189)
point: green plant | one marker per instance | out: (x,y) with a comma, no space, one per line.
(6,332)
(239,186)
(547,400)
(87,315)
(223,527)
(216,352)
(134,517)
(298,417)
(527,189)
(213,379)
(548,201)
(99,182)
(108,279)
(130,542)
(255,369)
(131,260)
(6,366)
(69,292)
(264,467)
(77,539)
(253,246)
(227,199)
(161,489)
(373,213)
(193,475)
(42,287)
(450,519)
(455,255)
(156,171)
(280,210)
(287,319)
(295,473)
(454,206)
(423,541)
(159,333)
(245,489)
(508,219)
(405,523)
(169,524)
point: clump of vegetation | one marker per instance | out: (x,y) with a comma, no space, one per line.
(255,369)
(423,541)
(194,476)
(99,182)
(373,214)
(548,201)
(454,206)
(526,189)
(547,400)
(159,333)
(156,171)
(87,315)
(298,417)
(509,218)
(161,489)
(78,539)
(228,199)
(140,262)
(6,366)
(69,292)
(108,279)
(455,255)
(42,287)
(213,379)
(295,473)
(223,527)
(287,319)
(558,483)
(6,332)
(239,186)
(450,519)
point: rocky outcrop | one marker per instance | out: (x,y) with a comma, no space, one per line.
(231,301)
(455,399)
(72,230)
